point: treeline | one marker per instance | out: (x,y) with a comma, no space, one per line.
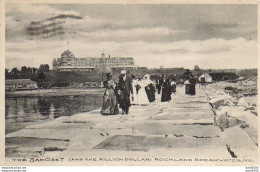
(47,78)
(247,73)
(28,72)
(223,76)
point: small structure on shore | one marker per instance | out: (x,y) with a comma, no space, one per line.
(205,78)
(20,84)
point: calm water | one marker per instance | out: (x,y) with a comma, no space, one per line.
(21,112)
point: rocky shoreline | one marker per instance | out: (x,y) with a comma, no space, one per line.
(239,88)
(236,117)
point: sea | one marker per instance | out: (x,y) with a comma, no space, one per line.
(23,111)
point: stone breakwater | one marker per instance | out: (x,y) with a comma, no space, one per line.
(182,129)
(237,119)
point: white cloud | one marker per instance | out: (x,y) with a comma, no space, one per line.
(241,54)
(124,34)
(14,29)
(91,24)
(129,33)
(32,9)
(19,16)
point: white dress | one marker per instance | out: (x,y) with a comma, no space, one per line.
(135,101)
(142,96)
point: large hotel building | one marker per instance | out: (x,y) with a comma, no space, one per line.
(68,62)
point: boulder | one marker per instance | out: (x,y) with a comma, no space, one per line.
(225,121)
(245,116)
(229,109)
(228,102)
(242,102)
(239,143)
(217,102)
(224,100)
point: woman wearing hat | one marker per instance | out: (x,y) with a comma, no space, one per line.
(142,95)
(149,88)
(166,89)
(110,105)
(192,85)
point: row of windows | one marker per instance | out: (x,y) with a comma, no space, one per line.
(118,64)
(99,63)
(96,63)
(101,60)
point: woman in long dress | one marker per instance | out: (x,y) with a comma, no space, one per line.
(153,90)
(192,86)
(134,98)
(149,88)
(187,87)
(166,90)
(110,105)
(142,96)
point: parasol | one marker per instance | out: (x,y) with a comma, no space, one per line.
(103,69)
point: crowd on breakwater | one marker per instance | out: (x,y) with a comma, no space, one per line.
(132,89)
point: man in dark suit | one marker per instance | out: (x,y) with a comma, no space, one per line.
(126,89)
(159,83)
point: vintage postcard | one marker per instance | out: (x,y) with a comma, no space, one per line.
(129,83)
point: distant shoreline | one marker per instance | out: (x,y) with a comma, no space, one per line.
(54,92)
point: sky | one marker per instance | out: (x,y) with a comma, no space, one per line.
(169,35)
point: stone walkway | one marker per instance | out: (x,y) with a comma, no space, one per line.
(183,127)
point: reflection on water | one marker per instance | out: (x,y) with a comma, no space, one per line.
(20,112)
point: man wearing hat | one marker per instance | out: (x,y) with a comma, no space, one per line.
(126,89)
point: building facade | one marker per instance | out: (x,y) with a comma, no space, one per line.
(205,78)
(68,62)
(20,84)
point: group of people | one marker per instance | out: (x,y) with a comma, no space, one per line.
(129,90)
(133,90)
(143,90)
(165,87)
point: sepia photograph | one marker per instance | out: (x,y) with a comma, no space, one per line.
(131,84)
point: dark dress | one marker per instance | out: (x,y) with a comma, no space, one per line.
(187,88)
(150,91)
(192,90)
(166,91)
(110,105)
(186,76)
(153,90)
